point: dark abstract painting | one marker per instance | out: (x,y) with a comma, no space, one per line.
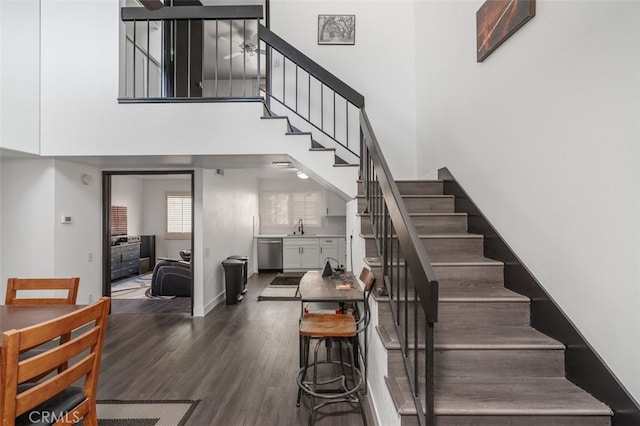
(497,20)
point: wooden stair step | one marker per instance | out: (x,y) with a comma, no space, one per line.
(428,223)
(442,247)
(485,353)
(474,338)
(472,273)
(421,203)
(535,396)
(472,295)
(414,187)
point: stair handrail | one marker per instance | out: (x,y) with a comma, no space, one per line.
(373,166)
(310,66)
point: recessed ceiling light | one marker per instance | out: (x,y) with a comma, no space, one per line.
(302,175)
(283,164)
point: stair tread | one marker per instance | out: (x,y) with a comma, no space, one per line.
(479,338)
(484,294)
(321,149)
(481,261)
(458,235)
(541,396)
(445,214)
(417,196)
(480,294)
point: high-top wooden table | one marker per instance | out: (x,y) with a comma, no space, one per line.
(316,288)
(24,316)
(341,288)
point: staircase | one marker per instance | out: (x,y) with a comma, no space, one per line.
(491,367)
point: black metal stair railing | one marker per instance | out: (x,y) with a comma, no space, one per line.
(215,53)
(405,264)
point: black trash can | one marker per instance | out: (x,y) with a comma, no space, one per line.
(233,280)
(245,269)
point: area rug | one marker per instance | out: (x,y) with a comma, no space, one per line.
(286,279)
(132,288)
(144,413)
(283,286)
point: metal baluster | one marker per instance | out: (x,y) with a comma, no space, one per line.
(217,60)
(189,58)
(135,25)
(230,58)
(334,114)
(244,58)
(415,335)
(174,54)
(309,97)
(296,90)
(202,53)
(148,57)
(259,65)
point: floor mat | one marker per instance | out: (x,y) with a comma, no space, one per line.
(287,292)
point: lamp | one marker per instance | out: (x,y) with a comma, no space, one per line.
(302,175)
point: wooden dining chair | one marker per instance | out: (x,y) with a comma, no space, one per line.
(70,285)
(63,396)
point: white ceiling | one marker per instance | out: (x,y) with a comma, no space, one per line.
(260,166)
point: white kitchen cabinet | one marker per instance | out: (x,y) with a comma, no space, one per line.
(328,248)
(300,253)
(334,205)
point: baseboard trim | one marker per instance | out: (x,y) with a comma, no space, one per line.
(583,365)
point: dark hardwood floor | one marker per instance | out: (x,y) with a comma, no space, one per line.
(240,361)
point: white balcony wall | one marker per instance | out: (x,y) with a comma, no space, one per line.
(80,86)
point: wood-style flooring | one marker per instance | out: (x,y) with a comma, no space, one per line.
(240,361)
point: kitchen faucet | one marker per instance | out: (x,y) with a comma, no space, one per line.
(300,227)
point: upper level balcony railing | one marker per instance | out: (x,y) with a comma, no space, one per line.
(223,53)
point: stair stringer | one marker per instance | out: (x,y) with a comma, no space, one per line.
(319,165)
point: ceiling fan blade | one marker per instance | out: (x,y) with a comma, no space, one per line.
(152,4)
(233,55)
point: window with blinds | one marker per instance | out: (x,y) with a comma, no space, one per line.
(118,220)
(179,215)
(283,209)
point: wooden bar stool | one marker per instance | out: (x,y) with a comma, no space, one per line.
(328,328)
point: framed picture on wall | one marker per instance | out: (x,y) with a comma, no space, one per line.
(336,29)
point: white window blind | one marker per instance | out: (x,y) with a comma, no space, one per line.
(118,219)
(179,214)
(274,209)
(285,208)
(306,206)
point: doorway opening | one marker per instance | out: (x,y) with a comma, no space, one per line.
(148,241)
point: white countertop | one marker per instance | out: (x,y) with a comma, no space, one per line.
(301,236)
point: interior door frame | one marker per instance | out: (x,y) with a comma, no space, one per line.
(106,223)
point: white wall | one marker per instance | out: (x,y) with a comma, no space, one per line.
(381,64)
(229,206)
(78,245)
(544,135)
(34,241)
(20,75)
(27,219)
(154,210)
(126,191)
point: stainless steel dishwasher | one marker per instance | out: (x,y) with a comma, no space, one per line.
(269,254)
